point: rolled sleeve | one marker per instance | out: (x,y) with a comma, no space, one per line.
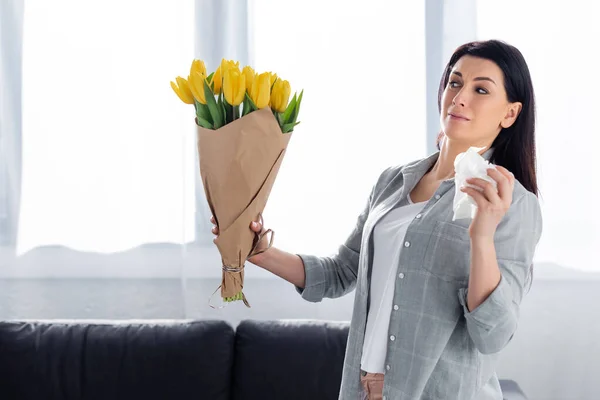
(331,277)
(314,284)
(493,323)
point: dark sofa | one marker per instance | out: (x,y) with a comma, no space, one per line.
(52,360)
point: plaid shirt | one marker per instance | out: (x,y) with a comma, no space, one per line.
(439,349)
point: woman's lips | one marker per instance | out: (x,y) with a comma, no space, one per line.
(458,117)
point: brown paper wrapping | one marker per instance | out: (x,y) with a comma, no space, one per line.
(238,166)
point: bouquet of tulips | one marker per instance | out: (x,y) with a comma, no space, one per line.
(244,124)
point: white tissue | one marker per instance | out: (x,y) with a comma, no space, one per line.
(469,164)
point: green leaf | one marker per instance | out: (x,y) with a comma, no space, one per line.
(222,103)
(289,110)
(228,111)
(203,123)
(296,111)
(202,111)
(251,105)
(214,109)
(298,105)
(287,128)
(209,79)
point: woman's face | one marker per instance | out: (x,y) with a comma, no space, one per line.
(474,103)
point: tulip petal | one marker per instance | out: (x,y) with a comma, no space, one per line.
(241,91)
(182,90)
(198,66)
(196,82)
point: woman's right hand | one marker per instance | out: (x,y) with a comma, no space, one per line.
(285,265)
(257,228)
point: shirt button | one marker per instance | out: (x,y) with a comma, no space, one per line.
(396,307)
(406,244)
(401,275)
(387,367)
(392,338)
(419,216)
(437,196)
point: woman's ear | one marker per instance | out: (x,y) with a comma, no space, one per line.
(514,109)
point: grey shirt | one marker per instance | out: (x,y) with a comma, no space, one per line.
(440,349)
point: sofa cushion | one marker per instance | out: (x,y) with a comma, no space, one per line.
(289,360)
(146,360)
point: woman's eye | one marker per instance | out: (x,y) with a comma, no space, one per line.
(453,84)
(481,91)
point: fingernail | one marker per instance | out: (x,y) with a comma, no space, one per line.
(253,224)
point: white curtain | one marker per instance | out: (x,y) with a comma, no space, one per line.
(559,40)
(110,185)
(11,54)
(108,149)
(559,327)
(362,69)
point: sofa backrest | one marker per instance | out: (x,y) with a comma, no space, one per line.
(289,360)
(176,360)
(148,360)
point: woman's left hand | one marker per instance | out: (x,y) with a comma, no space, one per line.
(492,205)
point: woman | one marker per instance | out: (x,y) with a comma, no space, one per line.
(437,300)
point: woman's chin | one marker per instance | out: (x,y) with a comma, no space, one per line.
(456,135)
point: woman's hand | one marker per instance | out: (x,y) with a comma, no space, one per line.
(257,228)
(492,205)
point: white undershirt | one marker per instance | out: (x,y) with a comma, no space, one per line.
(388,236)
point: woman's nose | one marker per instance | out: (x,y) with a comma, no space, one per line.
(459,99)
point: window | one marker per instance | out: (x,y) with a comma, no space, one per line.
(108,149)
(563,64)
(363,108)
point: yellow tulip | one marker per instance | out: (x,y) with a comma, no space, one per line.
(225,64)
(272,78)
(249,74)
(220,73)
(260,93)
(280,95)
(198,66)
(216,81)
(234,86)
(196,81)
(182,90)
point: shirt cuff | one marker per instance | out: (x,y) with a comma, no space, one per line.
(314,283)
(493,310)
